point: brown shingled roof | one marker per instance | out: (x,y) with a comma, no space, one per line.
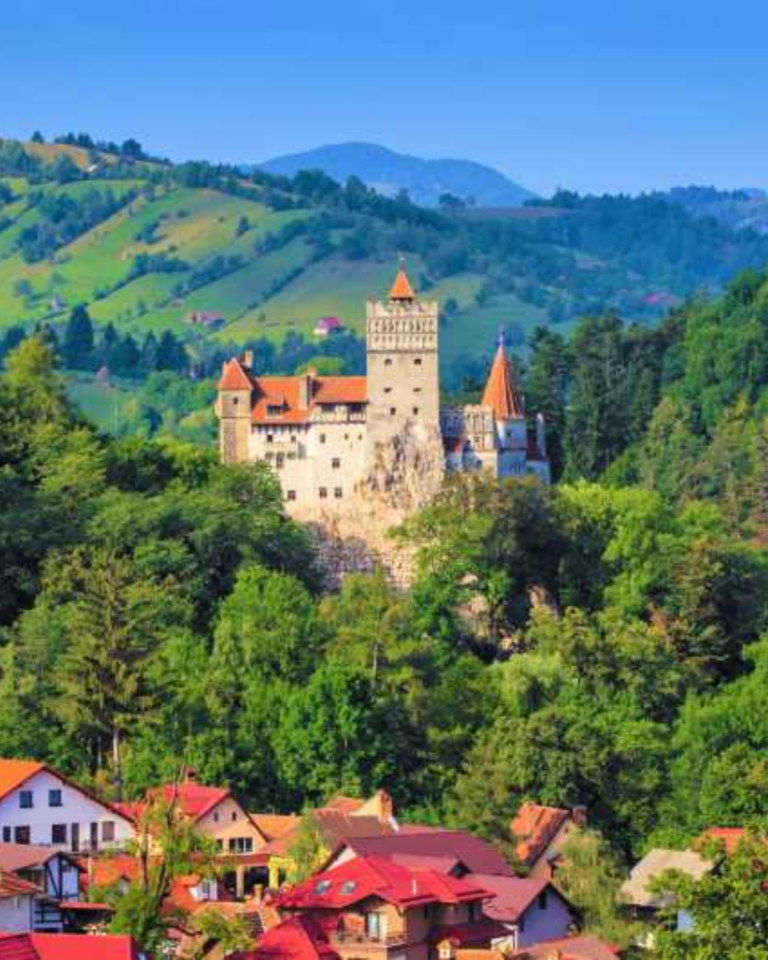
(501,394)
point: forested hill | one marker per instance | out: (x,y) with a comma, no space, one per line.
(150,246)
(388,172)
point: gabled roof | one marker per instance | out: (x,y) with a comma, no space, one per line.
(274,825)
(15,773)
(21,856)
(298,938)
(474,854)
(501,394)
(636,890)
(234,377)
(12,886)
(66,946)
(535,827)
(362,878)
(569,948)
(334,826)
(512,896)
(401,288)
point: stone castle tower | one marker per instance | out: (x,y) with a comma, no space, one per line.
(402,360)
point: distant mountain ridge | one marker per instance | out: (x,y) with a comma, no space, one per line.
(389,172)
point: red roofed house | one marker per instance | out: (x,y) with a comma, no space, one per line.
(67,946)
(40,806)
(374,908)
(17,903)
(217,814)
(323,434)
(542,832)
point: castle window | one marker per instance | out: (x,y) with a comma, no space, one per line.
(280,461)
(290,494)
(417,389)
(336,463)
(270,438)
(387,389)
(392,411)
(234,401)
(323,493)
(417,362)
(337,492)
(293,439)
(388,362)
(322,438)
(415,411)
(275,411)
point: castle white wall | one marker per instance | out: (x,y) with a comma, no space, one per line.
(76,808)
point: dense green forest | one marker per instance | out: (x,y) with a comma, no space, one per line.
(149,247)
(595,642)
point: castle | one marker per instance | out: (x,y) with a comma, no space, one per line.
(323,434)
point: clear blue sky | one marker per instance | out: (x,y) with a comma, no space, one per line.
(599,95)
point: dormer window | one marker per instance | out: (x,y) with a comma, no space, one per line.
(275,410)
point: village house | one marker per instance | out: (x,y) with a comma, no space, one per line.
(39,806)
(542,832)
(373,908)
(643,902)
(326,326)
(323,434)
(529,909)
(17,903)
(54,873)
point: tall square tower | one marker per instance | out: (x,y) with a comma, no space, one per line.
(402,361)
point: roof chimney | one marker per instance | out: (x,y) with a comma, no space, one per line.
(248,359)
(190,775)
(305,389)
(579,816)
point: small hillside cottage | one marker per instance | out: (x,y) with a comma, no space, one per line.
(17,903)
(541,833)
(40,806)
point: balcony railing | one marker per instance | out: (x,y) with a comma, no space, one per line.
(364,939)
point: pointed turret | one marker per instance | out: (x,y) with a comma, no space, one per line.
(501,394)
(401,288)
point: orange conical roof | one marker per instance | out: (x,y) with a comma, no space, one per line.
(401,288)
(234,377)
(501,394)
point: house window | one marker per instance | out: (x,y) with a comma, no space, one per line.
(376,926)
(25,799)
(542,900)
(323,493)
(290,495)
(108,831)
(234,815)
(240,844)
(336,463)
(58,833)
(6,834)
(54,798)
(21,835)
(216,817)
(338,493)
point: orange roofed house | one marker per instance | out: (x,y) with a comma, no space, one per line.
(541,833)
(322,434)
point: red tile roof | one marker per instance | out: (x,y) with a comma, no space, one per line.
(194,799)
(274,825)
(13,886)
(66,946)
(401,288)
(730,837)
(361,878)
(298,938)
(19,856)
(511,895)
(234,377)
(501,394)
(535,827)
(284,392)
(569,948)
(475,854)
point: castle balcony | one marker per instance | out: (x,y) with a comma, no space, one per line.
(338,413)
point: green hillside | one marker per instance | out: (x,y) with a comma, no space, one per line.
(145,244)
